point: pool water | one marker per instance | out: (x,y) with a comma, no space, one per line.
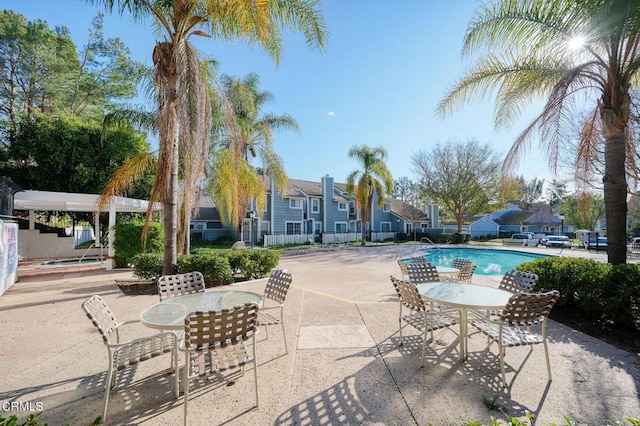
(489,261)
(71,261)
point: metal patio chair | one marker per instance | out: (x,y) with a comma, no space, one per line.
(129,353)
(170,286)
(274,296)
(420,317)
(218,341)
(513,327)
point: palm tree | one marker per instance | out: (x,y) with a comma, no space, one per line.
(374,178)
(573,53)
(234,182)
(181,89)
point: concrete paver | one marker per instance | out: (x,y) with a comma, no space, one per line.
(344,363)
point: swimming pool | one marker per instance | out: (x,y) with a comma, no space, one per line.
(76,261)
(489,261)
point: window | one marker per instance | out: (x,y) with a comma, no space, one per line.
(293,228)
(341,227)
(386,208)
(342,206)
(315,205)
(317,228)
(295,203)
(385,226)
(352,208)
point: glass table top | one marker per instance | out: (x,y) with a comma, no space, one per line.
(170,314)
(465,295)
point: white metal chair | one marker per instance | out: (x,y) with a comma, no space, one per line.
(275,292)
(218,341)
(126,354)
(518,281)
(403,268)
(170,286)
(459,261)
(513,327)
(422,272)
(420,317)
(466,272)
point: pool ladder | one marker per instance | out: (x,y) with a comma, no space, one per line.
(93,245)
(424,240)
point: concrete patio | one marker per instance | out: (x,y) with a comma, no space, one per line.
(344,364)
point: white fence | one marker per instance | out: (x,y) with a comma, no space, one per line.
(350,237)
(381,236)
(280,240)
(340,238)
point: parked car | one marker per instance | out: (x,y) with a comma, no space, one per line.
(526,239)
(560,241)
(596,244)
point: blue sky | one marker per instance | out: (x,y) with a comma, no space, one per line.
(386,66)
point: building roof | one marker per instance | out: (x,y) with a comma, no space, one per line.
(406,211)
(527,218)
(73,202)
(542,218)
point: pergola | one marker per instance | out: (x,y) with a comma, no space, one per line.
(74,202)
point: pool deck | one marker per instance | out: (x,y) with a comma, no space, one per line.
(343,366)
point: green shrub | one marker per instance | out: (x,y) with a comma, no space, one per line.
(127,242)
(217,266)
(261,262)
(460,238)
(147,266)
(250,264)
(598,290)
(214,267)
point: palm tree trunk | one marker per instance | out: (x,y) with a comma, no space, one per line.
(170,204)
(363,218)
(615,183)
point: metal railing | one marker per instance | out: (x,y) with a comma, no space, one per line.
(426,241)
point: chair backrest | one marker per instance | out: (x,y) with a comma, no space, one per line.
(408,294)
(418,259)
(422,273)
(403,267)
(458,262)
(101,316)
(518,282)
(529,308)
(466,271)
(204,330)
(278,286)
(170,286)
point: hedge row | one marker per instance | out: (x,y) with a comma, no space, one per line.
(606,292)
(219,267)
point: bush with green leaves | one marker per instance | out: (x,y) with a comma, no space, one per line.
(214,267)
(217,266)
(147,266)
(128,241)
(598,290)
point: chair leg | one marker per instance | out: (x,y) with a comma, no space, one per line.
(284,335)
(255,369)
(107,389)
(185,379)
(502,353)
(546,354)
(424,345)
(176,369)
(400,324)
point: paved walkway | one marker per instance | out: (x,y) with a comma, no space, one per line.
(344,364)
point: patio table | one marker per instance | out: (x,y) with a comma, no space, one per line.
(447,272)
(464,297)
(170,314)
